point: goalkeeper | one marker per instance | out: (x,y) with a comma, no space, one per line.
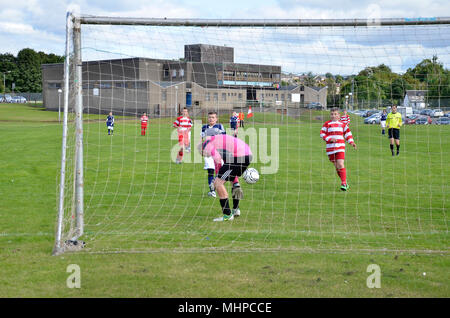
(236,156)
(393,124)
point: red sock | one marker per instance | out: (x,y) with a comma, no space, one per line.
(342,173)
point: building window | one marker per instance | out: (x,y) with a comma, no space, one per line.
(166,72)
(240,96)
(174,73)
(88,86)
(282,96)
(105,85)
(224,96)
(228,73)
(54,85)
(164,95)
(302,88)
(216,97)
(142,85)
(181,72)
(207,97)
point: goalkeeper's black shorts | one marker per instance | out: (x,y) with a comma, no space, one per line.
(234,168)
(394,133)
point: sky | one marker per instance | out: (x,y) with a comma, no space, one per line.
(40,25)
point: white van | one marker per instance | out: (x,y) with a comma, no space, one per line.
(405,111)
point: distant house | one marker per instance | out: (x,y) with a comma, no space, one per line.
(320,79)
(415,98)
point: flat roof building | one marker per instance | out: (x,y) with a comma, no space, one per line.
(205,79)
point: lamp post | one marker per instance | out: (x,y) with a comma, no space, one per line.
(176,100)
(59,104)
(346,101)
(351,97)
(4,81)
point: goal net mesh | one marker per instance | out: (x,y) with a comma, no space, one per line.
(137,199)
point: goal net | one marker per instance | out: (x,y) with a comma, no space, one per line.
(122,190)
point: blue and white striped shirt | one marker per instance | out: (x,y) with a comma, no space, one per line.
(208,130)
(233,122)
(110,121)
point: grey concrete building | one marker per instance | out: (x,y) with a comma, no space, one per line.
(205,79)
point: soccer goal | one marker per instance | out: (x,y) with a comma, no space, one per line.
(130,183)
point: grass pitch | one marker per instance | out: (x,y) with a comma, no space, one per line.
(298,236)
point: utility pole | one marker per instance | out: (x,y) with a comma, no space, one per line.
(4,81)
(353,87)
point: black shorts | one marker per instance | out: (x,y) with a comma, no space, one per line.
(394,133)
(230,170)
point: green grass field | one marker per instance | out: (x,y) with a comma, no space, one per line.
(149,228)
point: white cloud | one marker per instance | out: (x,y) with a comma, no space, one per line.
(16,28)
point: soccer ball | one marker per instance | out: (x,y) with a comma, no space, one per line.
(251,175)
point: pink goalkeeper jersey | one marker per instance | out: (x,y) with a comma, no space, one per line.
(225,147)
(339,131)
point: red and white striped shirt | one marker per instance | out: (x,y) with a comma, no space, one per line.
(339,131)
(182,123)
(345,119)
(144,120)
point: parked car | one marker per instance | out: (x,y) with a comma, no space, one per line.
(424,120)
(314,105)
(426,112)
(447,115)
(5,98)
(359,112)
(19,99)
(374,119)
(411,119)
(371,112)
(363,113)
(443,121)
(437,113)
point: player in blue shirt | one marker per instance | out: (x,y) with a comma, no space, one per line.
(211,129)
(110,123)
(234,121)
(383,121)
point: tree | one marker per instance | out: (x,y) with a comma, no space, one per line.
(8,66)
(309,80)
(25,69)
(433,76)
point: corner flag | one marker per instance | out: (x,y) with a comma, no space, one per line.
(249,114)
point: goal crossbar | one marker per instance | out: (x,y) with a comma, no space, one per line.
(85,19)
